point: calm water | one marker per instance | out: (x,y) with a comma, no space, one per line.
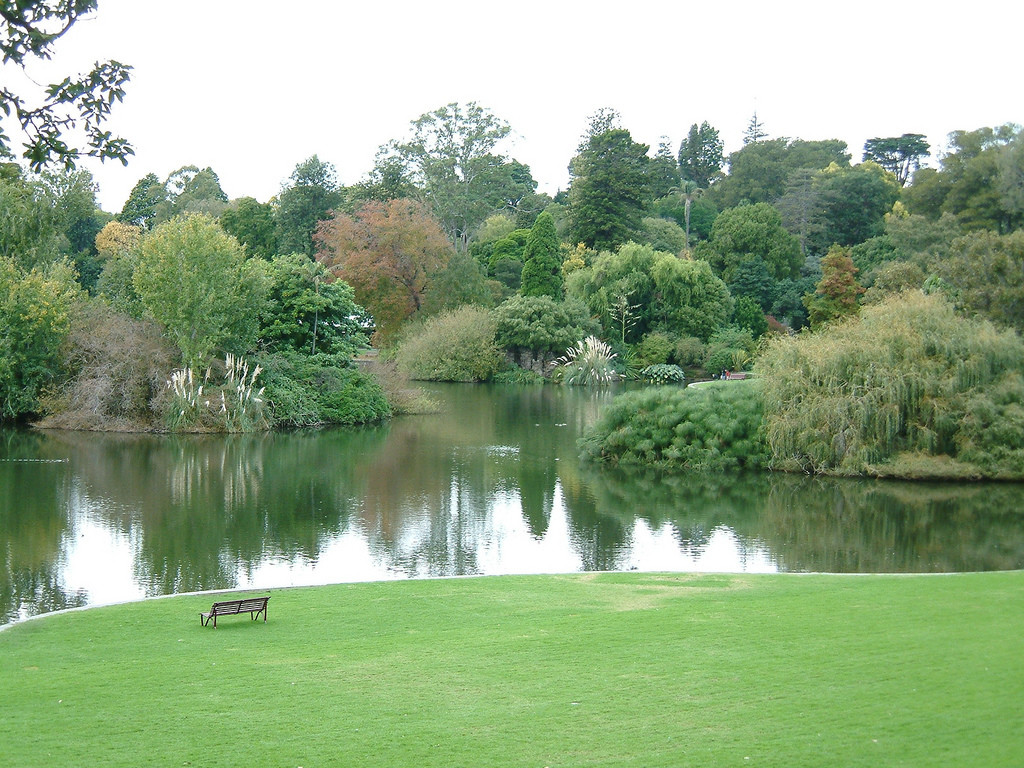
(490,485)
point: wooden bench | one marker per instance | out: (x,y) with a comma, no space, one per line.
(251,605)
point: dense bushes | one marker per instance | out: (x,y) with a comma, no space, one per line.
(711,427)
(909,389)
(36,310)
(537,329)
(453,346)
(117,370)
(303,390)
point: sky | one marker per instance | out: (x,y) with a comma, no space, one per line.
(250,88)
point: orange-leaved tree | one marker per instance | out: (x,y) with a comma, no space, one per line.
(387,252)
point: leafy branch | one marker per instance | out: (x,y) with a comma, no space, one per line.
(81,102)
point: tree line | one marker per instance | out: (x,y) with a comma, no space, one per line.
(681,255)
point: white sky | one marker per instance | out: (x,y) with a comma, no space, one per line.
(252,87)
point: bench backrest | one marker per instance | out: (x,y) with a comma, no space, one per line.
(245,605)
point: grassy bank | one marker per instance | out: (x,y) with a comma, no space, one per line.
(585,670)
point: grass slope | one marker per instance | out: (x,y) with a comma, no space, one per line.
(583,670)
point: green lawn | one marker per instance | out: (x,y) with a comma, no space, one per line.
(583,670)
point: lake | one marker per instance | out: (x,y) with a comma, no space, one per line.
(489,485)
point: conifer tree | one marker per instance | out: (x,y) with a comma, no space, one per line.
(838,291)
(542,271)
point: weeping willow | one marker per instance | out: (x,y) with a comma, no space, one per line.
(907,388)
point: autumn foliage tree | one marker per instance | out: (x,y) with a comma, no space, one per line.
(838,291)
(386,251)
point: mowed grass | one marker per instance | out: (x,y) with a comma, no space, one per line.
(582,670)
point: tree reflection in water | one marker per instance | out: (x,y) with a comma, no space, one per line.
(492,484)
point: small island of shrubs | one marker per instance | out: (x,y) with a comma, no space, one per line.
(908,389)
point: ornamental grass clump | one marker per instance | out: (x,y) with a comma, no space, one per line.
(588,363)
(232,406)
(908,380)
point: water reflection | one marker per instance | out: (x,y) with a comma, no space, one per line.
(491,485)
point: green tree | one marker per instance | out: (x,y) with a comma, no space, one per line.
(461,281)
(77,219)
(700,155)
(838,291)
(36,308)
(663,171)
(689,299)
(145,202)
(195,281)
(609,189)
(306,199)
(751,232)
(979,170)
(252,224)
(29,232)
(637,290)
(195,190)
(986,271)
(308,311)
(751,279)
(452,158)
(690,209)
(534,330)
(730,348)
(389,179)
(891,278)
(117,247)
(748,314)
(900,155)
(755,131)
(800,208)
(506,260)
(542,269)
(72,110)
(852,204)
(662,235)
(618,289)
(760,171)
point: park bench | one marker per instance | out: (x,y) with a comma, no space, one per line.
(251,605)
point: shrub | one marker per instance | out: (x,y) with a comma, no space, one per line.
(909,379)
(304,390)
(453,346)
(729,349)
(663,374)
(36,308)
(689,352)
(117,370)
(654,348)
(541,324)
(589,362)
(711,427)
